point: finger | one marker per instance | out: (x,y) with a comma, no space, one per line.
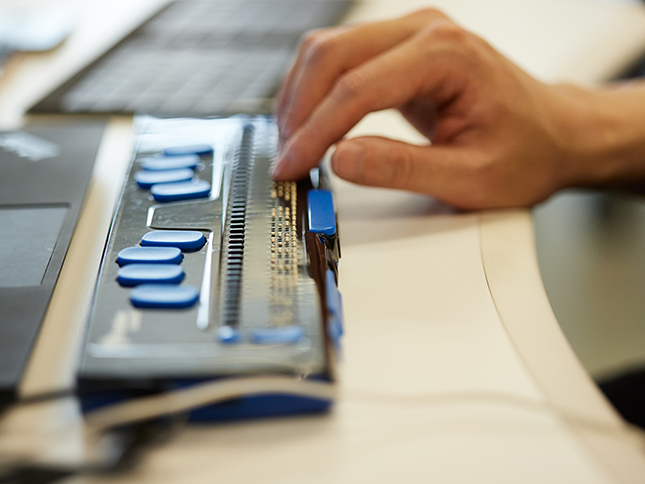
(427,65)
(326,54)
(445,173)
(387,163)
(288,79)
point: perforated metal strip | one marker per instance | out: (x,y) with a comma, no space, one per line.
(236,229)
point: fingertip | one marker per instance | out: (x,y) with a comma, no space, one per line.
(288,164)
(348,160)
(280,168)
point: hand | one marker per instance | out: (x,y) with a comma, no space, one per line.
(499,137)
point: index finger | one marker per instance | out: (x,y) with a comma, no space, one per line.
(417,67)
(327,53)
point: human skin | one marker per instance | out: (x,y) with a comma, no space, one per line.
(497,136)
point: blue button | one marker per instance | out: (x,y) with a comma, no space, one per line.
(228,335)
(149,255)
(145,179)
(198,149)
(182,239)
(334,304)
(334,301)
(164,296)
(173,192)
(322,217)
(277,336)
(154,163)
(135,274)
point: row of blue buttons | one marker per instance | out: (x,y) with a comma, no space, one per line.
(262,336)
(170,178)
(153,269)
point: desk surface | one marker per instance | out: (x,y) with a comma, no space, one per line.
(455,369)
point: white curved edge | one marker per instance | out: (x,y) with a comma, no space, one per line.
(510,264)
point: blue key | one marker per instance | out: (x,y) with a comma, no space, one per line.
(164,296)
(277,336)
(135,274)
(157,163)
(322,217)
(173,192)
(145,179)
(334,302)
(182,239)
(149,255)
(199,149)
(228,335)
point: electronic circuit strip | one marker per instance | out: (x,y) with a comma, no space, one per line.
(284,252)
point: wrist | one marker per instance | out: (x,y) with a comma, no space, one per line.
(601,134)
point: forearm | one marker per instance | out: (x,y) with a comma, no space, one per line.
(603,134)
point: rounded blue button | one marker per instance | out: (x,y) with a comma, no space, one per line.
(135,274)
(145,179)
(277,336)
(228,335)
(198,149)
(173,192)
(149,255)
(182,239)
(164,296)
(158,163)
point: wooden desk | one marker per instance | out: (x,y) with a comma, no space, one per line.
(455,368)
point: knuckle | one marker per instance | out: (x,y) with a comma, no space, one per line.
(350,85)
(483,171)
(402,168)
(488,182)
(309,39)
(319,45)
(430,13)
(445,31)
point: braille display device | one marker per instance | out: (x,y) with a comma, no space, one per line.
(212,271)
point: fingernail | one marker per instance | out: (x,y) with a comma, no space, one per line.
(283,132)
(280,165)
(282,140)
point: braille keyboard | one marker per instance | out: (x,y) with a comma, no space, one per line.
(196,58)
(214,271)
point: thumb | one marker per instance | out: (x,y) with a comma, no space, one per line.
(383,162)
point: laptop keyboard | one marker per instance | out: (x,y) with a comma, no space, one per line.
(197,57)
